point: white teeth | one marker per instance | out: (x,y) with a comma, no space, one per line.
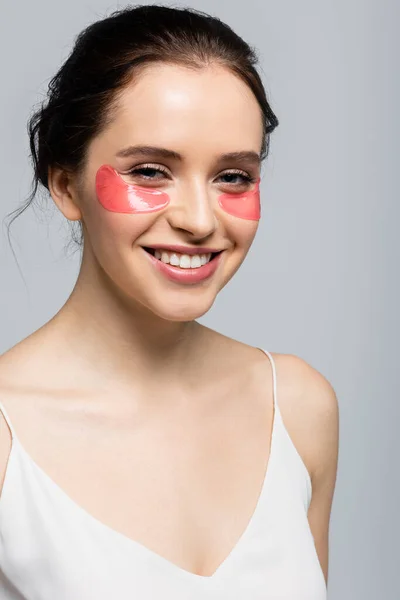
(184,261)
(174,260)
(195,261)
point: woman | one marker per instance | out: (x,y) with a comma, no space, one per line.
(143,454)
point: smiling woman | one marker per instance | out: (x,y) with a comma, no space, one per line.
(153,458)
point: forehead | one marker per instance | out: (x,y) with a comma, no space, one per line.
(173,105)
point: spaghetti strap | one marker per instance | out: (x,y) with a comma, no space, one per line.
(7,419)
(273,375)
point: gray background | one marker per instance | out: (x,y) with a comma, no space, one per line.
(320,279)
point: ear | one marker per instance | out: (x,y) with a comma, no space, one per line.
(63,190)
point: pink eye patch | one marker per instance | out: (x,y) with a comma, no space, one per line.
(244,206)
(116,195)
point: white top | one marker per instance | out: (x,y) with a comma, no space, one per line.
(53,549)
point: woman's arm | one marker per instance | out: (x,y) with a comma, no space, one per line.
(324,429)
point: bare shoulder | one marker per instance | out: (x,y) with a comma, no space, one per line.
(308,399)
(15,361)
(310,410)
(5,448)
(5,434)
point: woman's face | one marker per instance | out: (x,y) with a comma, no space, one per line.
(157,176)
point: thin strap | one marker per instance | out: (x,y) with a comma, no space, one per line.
(273,375)
(7,419)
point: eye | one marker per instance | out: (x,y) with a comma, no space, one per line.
(232,178)
(149,172)
(237,178)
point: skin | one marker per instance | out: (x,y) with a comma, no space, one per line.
(113,354)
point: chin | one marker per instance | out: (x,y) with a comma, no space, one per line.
(182,310)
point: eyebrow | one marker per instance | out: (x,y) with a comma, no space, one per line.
(248,156)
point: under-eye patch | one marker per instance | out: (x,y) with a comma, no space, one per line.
(244,206)
(116,195)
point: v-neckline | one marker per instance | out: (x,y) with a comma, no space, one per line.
(135,544)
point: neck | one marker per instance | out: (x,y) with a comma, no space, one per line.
(108,338)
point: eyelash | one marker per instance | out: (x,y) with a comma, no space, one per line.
(247,179)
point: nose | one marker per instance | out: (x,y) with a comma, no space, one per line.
(192,210)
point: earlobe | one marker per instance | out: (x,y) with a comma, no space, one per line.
(63,193)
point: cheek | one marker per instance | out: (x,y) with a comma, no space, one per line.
(245,206)
(115,195)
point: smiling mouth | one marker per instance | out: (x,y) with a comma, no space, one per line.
(181,262)
(152,252)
